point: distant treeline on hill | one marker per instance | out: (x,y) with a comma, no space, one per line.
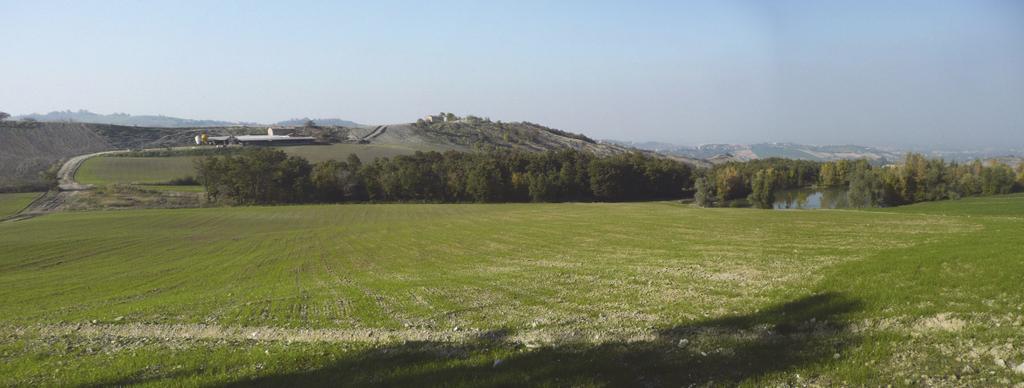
(263,176)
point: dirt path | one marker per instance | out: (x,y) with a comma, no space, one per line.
(66,174)
(376,132)
(52,200)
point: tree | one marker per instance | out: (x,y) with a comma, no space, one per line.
(997,179)
(483,183)
(865,188)
(612,179)
(309,124)
(4,116)
(704,193)
(327,178)
(257,176)
(543,187)
(763,186)
(729,184)
(1020,175)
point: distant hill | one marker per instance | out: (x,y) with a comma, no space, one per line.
(84,116)
(721,153)
(742,152)
(160,121)
(322,122)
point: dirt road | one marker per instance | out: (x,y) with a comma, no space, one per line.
(376,132)
(66,174)
(67,185)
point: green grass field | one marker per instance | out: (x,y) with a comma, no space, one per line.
(109,170)
(156,170)
(627,294)
(11,203)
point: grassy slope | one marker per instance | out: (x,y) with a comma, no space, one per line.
(562,293)
(13,202)
(154,170)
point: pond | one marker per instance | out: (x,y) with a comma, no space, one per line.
(827,198)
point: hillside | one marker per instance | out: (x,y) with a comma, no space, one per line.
(744,152)
(474,133)
(29,148)
(26,149)
(320,122)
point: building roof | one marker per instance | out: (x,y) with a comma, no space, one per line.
(260,138)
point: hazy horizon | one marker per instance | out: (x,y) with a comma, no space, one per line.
(909,74)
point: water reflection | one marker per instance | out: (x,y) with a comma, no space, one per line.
(830,198)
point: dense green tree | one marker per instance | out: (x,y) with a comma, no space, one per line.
(544,187)
(611,180)
(1020,175)
(763,187)
(865,188)
(483,183)
(703,192)
(729,183)
(257,176)
(997,179)
(270,176)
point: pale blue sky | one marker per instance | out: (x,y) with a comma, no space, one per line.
(879,73)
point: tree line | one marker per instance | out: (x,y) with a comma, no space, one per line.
(755,180)
(920,179)
(916,179)
(266,176)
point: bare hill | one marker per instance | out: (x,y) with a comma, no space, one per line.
(26,148)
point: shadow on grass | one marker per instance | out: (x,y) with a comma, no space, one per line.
(726,351)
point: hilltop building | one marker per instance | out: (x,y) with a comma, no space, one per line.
(441,118)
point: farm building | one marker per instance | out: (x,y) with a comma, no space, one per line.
(270,139)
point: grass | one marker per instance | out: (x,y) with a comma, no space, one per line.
(554,294)
(110,170)
(157,170)
(11,203)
